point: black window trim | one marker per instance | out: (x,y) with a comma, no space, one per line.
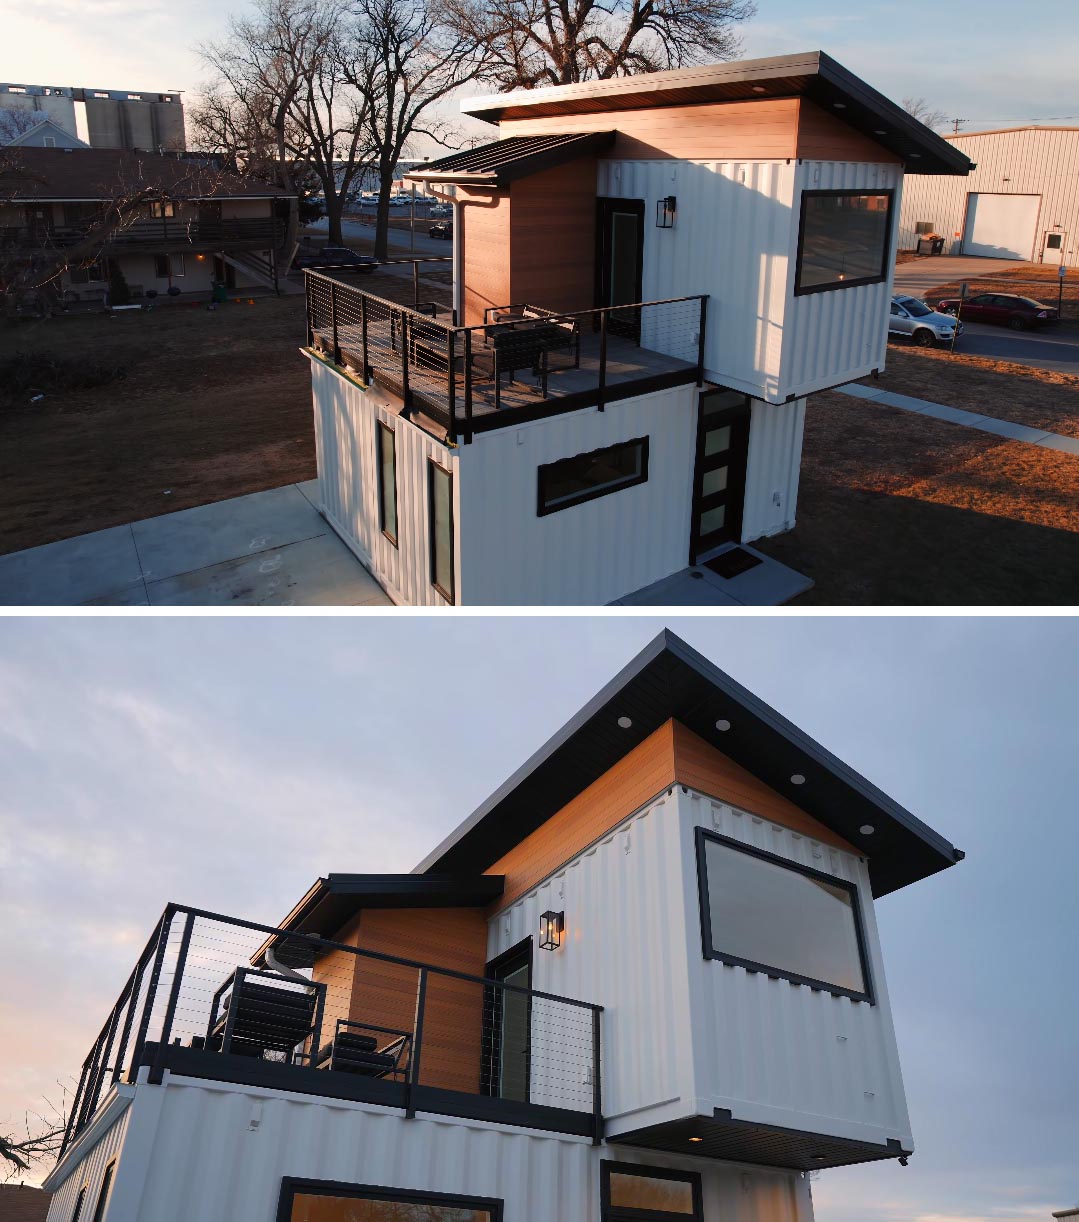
(383,427)
(292,1186)
(544,510)
(836,285)
(433,463)
(703,836)
(106,1190)
(491,1047)
(80,1201)
(616,1213)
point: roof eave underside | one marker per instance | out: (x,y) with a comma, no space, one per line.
(669,680)
(813,75)
(501,162)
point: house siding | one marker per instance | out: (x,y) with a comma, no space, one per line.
(88,1171)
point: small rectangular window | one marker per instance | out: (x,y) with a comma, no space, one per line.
(440,506)
(765,913)
(179,265)
(161,267)
(629,1192)
(79,1201)
(322,1201)
(103,1195)
(387,482)
(49,142)
(572,481)
(844,239)
(162,208)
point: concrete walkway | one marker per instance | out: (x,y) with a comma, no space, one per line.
(920,275)
(768,584)
(268,549)
(956,415)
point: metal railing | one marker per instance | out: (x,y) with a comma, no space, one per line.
(256,232)
(216,997)
(456,374)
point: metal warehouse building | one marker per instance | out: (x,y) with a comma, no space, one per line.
(1021,201)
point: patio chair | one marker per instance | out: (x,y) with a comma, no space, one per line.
(354,1051)
(250,1018)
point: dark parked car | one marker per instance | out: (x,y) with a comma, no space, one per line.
(444,229)
(1002,309)
(335,256)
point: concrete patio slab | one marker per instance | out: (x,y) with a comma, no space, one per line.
(768,584)
(310,490)
(192,539)
(104,564)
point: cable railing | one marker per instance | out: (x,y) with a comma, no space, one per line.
(219,998)
(523,362)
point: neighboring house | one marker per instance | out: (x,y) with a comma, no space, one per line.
(205,226)
(21,1203)
(48,135)
(642,981)
(1020,201)
(716,243)
(114,118)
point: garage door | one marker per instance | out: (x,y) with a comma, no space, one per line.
(1001,226)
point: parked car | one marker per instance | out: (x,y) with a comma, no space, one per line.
(1001,308)
(441,210)
(924,326)
(443,229)
(335,256)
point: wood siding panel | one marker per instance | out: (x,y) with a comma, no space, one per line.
(699,765)
(485,236)
(553,237)
(825,137)
(709,131)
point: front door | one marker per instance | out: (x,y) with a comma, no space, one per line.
(507,1020)
(620,263)
(719,482)
(1053,247)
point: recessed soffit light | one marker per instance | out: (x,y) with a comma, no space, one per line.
(759,89)
(696,1139)
(797,779)
(625,722)
(839,105)
(867,829)
(723,725)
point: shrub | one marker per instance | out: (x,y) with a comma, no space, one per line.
(119,292)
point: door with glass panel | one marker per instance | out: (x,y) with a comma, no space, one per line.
(620,271)
(632,1193)
(507,1017)
(719,482)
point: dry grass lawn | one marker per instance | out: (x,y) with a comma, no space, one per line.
(1037,280)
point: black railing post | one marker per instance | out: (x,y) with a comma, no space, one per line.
(310,311)
(602,390)
(333,321)
(468,387)
(89,1103)
(415,284)
(417,1044)
(136,984)
(158,1066)
(406,398)
(151,991)
(102,1069)
(234,1005)
(597,1081)
(700,341)
(451,387)
(363,337)
(76,1103)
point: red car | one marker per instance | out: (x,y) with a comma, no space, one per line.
(1002,309)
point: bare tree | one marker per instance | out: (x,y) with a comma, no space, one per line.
(533,43)
(921,110)
(15,123)
(36,1143)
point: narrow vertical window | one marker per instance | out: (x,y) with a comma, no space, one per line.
(78,1205)
(440,498)
(387,482)
(103,1195)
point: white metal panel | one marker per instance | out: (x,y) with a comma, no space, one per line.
(837,336)
(732,240)
(773,468)
(346,418)
(221,1154)
(88,1173)
(591,553)
(779,1053)
(624,948)
(1024,161)
(1001,226)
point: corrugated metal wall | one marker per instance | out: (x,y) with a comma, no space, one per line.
(88,1172)
(220,1155)
(1025,161)
(624,947)
(773,1051)
(589,554)
(834,337)
(775,464)
(345,423)
(732,240)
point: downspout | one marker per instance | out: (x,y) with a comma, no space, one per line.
(457,251)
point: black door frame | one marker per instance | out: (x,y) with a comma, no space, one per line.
(734,458)
(628,326)
(522,954)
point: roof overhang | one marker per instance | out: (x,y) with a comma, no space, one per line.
(669,680)
(812,74)
(501,162)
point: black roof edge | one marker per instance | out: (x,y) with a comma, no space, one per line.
(582,144)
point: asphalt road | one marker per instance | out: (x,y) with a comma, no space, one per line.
(399,239)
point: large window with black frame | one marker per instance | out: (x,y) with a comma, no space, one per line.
(572,481)
(772,915)
(324,1201)
(634,1193)
(844,239)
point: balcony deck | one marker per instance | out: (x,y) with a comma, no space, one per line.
(158,236)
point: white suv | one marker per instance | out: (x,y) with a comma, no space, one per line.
(924,326)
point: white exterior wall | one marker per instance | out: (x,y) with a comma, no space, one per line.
(588,554)
(1036,161)
(218,1153)
(346,417)
(773,468)
(85,1162)
(778,1053)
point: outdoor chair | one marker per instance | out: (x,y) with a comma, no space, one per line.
(251,1018)
(354,1051)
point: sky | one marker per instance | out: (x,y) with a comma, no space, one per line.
(227,763)
(990,62)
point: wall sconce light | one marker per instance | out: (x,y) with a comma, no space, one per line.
(665,210)
(551,926)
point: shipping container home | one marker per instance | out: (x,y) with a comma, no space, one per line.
(1021,200)
(650,274)
(644,975)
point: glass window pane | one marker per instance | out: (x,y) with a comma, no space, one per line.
(574,479)
(651,1192)
(714,481)
(712,520)
(387,462)
(781,918)
(442,529)
(318,1208)
(717,440)
(624,246)
(844,237)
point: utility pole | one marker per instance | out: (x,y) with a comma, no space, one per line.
(955,128)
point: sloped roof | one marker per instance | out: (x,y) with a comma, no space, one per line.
(499,163)
(40,128)
(666,680)
(88,174)
(21,1203)
(809,74)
